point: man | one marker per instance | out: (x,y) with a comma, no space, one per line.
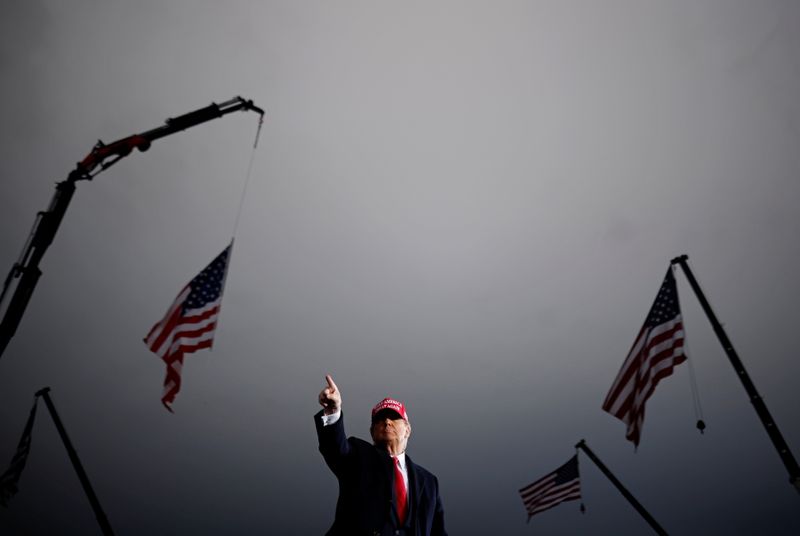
(381,491)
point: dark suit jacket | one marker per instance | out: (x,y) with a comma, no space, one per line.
(366,475)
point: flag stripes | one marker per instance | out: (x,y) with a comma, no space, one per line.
(656,351)
(561,485)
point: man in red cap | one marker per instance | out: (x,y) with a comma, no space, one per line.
(381,491)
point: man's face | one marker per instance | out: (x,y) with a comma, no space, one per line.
(389,427)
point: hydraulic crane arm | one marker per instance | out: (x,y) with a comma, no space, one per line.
(104,156)
(26,269)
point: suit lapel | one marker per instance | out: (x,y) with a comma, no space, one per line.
(414,483)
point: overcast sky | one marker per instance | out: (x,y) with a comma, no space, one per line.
(468,206)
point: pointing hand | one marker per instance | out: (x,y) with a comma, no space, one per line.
(330,398)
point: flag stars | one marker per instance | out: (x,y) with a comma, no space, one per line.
(207,285)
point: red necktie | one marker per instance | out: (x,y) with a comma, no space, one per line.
(400,492)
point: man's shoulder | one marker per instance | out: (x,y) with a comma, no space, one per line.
(421,471)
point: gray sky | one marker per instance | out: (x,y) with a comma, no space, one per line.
(465,205)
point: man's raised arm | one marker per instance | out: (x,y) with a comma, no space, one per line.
(330,426)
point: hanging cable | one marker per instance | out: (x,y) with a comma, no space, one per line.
(698,409)
(247,176)
(241,205)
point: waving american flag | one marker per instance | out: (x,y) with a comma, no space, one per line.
(190,322)
(563,484)
(655,352)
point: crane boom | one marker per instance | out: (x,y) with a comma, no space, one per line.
(102,156)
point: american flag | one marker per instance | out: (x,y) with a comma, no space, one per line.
(561,485)
(9,479)
(189,323)
(656,351)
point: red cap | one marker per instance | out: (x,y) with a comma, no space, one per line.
(392,404)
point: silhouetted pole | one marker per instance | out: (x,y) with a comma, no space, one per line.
(102,520)
(758,402)
(625,493)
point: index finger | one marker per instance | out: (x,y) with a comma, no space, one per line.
(329,379)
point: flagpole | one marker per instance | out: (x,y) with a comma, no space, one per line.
(625,493)
(758,403)
(102,520)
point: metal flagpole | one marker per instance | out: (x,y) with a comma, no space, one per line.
(625,493)
(102,520)
(758,402)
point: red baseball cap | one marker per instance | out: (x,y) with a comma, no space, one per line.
(392,404)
